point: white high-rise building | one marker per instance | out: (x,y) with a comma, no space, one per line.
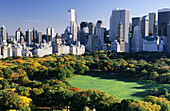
(72,17)
(52,34)
(48,31)
(18,35)
(145,26)
(136,40)
(118,15)
(3,34)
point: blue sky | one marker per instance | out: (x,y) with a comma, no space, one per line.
(44,13)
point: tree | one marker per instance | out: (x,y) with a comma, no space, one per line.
(153,75)
(7,72)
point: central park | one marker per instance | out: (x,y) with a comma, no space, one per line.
(102,81)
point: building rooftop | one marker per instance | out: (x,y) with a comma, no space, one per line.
(150,38)
(164,10)
(117,9)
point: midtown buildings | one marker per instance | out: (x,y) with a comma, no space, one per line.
(123,36)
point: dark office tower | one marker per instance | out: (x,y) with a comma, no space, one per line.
(29,37)
(91,28)
(83,24)
(136,21)
(152,23)
(35,33)
(82,37)
(84,27)
(47,38)
(163,21)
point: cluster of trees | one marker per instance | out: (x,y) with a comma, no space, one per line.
(150,66)
(28,83)
(60,95)
(161,92)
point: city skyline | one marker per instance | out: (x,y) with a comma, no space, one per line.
(50,13)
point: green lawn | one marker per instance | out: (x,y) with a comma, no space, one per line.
(120,87)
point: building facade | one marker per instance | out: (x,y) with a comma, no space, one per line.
(145,26)
(72,17)
(152,24)
(168,38)
(136,40)
(163,21)
(118,15)
(136,21)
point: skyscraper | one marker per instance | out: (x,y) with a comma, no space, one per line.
(29,37)
(3,34)
(100,32)
(136,21)
(91,28)
(136,40)
(145,26)
(84,27)
(48,31)
(118,15)
(52,34)
(152,23)
(35,35)
(163,21)
(72,16)
(17,35)
(120,39)
(39,38)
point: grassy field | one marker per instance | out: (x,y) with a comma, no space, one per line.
(122,88)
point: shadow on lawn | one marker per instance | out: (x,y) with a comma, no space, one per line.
(146,84)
